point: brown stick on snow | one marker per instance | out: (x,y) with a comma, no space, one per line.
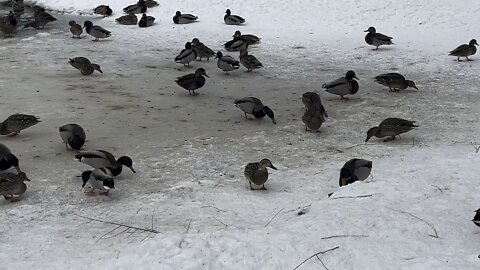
(119,224)
(315,255)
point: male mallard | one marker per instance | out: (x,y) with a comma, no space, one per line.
(16,123)
(226,62)
(146,21)
(390,127)
(376,39)
(257,173)
(9,25)
(96,31)
(232,19)
(476,218)
(202,50)
(255,107)
(465,50)
(355,170)
(84,65)
(187,55)
(7,159)
(236,44)
(75,28)
(343,86)
(129,19)
(180,18)
(249,61)
(12,185)
(102,180)
(249,39)
(72,135)
(315,113)
(193,81)
(41,18)
(103,10)
(103,159)
(139,7)
(394,81)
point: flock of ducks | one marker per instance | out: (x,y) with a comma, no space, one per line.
(106,167)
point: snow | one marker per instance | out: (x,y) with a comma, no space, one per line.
(189,152)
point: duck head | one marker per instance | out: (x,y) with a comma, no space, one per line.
(411,84)
(201,72)
(72,23)
(127,162)
(87,24)
(12,160)
(473,42)
(195,42)
(243,52)
(351,75)
(188,45)
(345,177)
(370,133)
(267,163)
(270,114)
(219,55)
(371,30)
(76,142)
(237,34)
(85,177)
(144,16)
(178,13)
(228,12)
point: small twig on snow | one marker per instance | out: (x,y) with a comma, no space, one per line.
(220,221)
(352,197)
(274,217)
(321,262)
(344,235)
(218,209)
(100,238)
(119,224)
(314,255)
(298,208)
(355,145)
(186,231)
(426,222)
(475,145)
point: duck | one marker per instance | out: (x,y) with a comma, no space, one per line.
(180,18)
(235,44)
(226,62)
(12,185)
(315,113)
(193,81)
(18,8)
(103,159)
(41,18)
(390,127)
(476,218)
(202,50)
(146,21)
(72,135)
(139,7)
(16,123)
(254,106)
(249,39)
(343,86)
(249,61)
(394,81)
(257,173)
(465,50)
(355,170)
(84,65)
(377,39)
(129,19)
(187,55)
(75,28)
(103,10)
(232,19)
(7,159)
(96,31)
(151,3)
(99,179)
(9,25)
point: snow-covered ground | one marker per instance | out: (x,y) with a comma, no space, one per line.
(189,152)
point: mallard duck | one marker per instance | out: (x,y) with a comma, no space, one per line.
(187,55)
(249,39)
(12,185)
(232,19)
(315,113)
(146,21)
(72,135)
(394,81)
(355,170)
(139,7)
(257,173)
(476,218)
(180,18)
(193,81)
(103,159)
(249,61)
(129,19)
(99,179)
(255,107)
(41,18)
(376,39)
(75,28)
(9,25)
(391,127)
(151,3)
(235,44)
(96,31)
(226,62)
(16,123)
(7,159)
(202,50)
(465,50)
(84,65)
(103,10)
(343,86)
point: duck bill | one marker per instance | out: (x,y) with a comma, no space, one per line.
(415,87)
(273,167)
(355,77)
(274,121)
(207,76)
(132,169)
(18,169)
(84,183)
(366,30)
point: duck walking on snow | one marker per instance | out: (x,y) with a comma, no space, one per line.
(180,18)
(377,39)
(84,65)
(130,19)
(343,86)
(187,55)
(16,123)
(96,31)
(255,107)
(103,10)
(73,135)
(7,159)
(103,159)
(257,173)
(315,113)
(41,18)
(249,61)
(355,170)
(465,50)
(139,7)
(394,81)
(146,21)
(99,179)
(226,62)
(231,19)
(193,81)
(12,185)
(75,28)
(249,39)
(202,50)
(390,127)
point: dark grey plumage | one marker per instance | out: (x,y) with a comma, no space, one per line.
(377,39)
(391,127)
(12,185)
(465,50)
(103,10)
(231,19)
(72,135)
(355,170)
(226,62)
(180,18)
(8,25)
(249,61)
(96,31)
(129,19)
(41,18)
(315,113)
(186,55)
(236,44)
(193,81)
(249,39)
(343,86)
(18,8)
(146,21)
(476,218)
(202,50)
(99,179)
(75,28)
(16,123)
(257,173)
(255,107)
(151,3)
(7,159)
(84,65)
(139,7)
(103,159)
(394,81)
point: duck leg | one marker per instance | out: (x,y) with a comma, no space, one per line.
(343,98)
(467,58)
(13,134)
(105,193)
